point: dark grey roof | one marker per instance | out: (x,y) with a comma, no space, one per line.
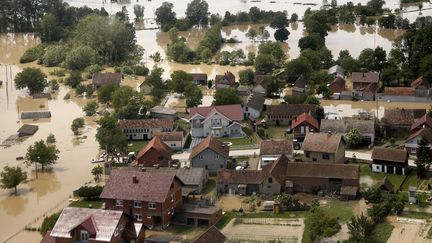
(35,114)
(27,129)
(345,125)
(256,101)
(163,238)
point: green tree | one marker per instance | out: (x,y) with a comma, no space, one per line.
(90,108)
(320,225)
(81,57)
(281,34)
(80,89)
(138,11)
(264,63)
(49,29)
(360,229)
(77,123)
(48,223)
(227,96)
(54,55)
(165,16)
(74,79)
(179,80)
(353,138)
(424,158)
(317,22)
(110,136)
(51,138)
(41,153)
(279,21)
(97,172)
(11,177)
(104,93)
(246,76)
(251,34)
(31,78)
(313,41)
(296,67)
(193,95)
(120,97)
(197,13)
(272,87)
(294,18)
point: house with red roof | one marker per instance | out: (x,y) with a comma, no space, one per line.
(156,152)
(144,129)
(149,198)
(422,87)
(217,121)
(422,122)
(304,124)
(226,80)
(411,143)
(211,154)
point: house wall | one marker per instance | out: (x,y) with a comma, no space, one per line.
(317,157)
(270,186)
(412,145)
(197,129)
(303,128)
(360,85)
(210,160)
(234,188)
(153,157)
(340,153)
(304,184)
(252,112)
(175,145)
(162,210)
(142,133)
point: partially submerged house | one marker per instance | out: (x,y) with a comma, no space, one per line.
(362,80)
(150,198)
(303,125)
(155,153)
(211,154)
(199,78)
(217,121)
(27,130)
(228,80)
(284,114)
(272,149)
(254,105)
(337,71)
(324,148)
(101,79)
(96,225)
(392,161)
(35,114)
(366,128)
(144,129)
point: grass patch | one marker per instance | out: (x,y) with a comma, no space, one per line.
(183,124)
(226,218)
(396,180)
(341,209)
(417,215)
(429,233)
(210,186)
(382,232)
(277,132)
(86,204)
(413,180)
(136,146)
(238,141)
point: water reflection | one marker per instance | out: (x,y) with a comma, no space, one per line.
(14,204)
(47,181)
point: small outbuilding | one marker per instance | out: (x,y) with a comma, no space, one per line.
(27,130)
(392,161)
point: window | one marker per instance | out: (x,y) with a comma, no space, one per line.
(326,156)
(152,205)
(173,145)
(221,166)
(314,160)
(149,217)
(137,204)
(200,157)
(84,235)
(216,156)
(270,180)
(307,154)
(119,203)
(172,197)
(138,217)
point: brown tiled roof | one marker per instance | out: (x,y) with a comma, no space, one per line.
(323,170)
(212,235)
(149,187)
(360,77)
(213,144)
(277,169)
(198,76)
(228,76)
(289,109)
(240,176)
(147,123)
(256,101)
(421,81)
(305,118)
(424,120)
(157,144)
(399,91)
(170,136)
(424,132)
(300,82)
(276,147)
(107,78)
(337,86)
(389,154)
(385,185)
(103,222)
(233,112)
(402,116)
(322,142)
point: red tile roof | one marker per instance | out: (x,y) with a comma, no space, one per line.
(276,147)
(150,186)
(213,144)
(157,144)
(107,78)
(424,132)
(305,118)
(392,155)
(337,86)
(424,120)
(323,170)
(360,77)
(402,116)
(233,112)
(170,136)
(322,142)
(147,123)
(399,91)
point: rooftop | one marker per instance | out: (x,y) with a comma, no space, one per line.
(422,121)
(399,91)
(28,129)
(256,101)
(345,125)
(147,123)
(322,142)
(421,81)
(323,170)
(362,77)
(305,118)
(212,235)
(157,144)
(163,110)
(213,144)
(107,78)
(35,114)
(289,109)
(402,116)
(423,132)
(389,154)
(232,112)
(276,147)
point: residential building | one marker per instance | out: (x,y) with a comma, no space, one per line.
(199,78)
(144,129)
(361,80)
(145,88)
(261,78)
(254,105)
(160,112)
(337,85)
(95,226)
(411,143)
(175,139)
(388,160)
(385,185)
(324,148)
(211,235)
(100,79)
(300,86)
(284,114)
(35,115)
(337,71)
(243,90)
(199,214)
(155,153)
(227,80)
(423,122)
(272,149)
(366,128)
(400,120)
(150,198)
(217,121)
(422,87)
(399,91)
(211,154)
(27,130)
(304,124)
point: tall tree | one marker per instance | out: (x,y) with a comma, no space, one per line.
(193,95)
(246,76)
(138,11)
(11,177)
(197,13)
(165,16)
(32,78)
(360,229)
(424,158)
(227,96)
(41,153)
(110,136)
(179,80)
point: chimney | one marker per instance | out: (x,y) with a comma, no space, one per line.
(134,179)
(364,75)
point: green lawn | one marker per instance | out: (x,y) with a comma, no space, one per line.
(86,204)
(382,232)
(183,124)
(341,209)
(277,132)
(413,180)
(136,146)
(238,141)
(396,180)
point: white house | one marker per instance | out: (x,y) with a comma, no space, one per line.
(217,121)
(144,129)
(411,143)
(254,105)
(174,139)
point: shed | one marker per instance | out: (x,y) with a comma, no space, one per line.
(348,192)
(27,130)
(385,185)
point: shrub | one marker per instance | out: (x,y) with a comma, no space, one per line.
(77,123)
(32,54)
(54,55)
(58,72)
(80,58)
(128,70)
(90,192)
(67,96)
(80,89)
(48,223)
(54,85)
(141,70)
(51,138)
(74,79)
(90,108)
(92,69)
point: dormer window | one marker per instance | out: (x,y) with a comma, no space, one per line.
(84,235)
